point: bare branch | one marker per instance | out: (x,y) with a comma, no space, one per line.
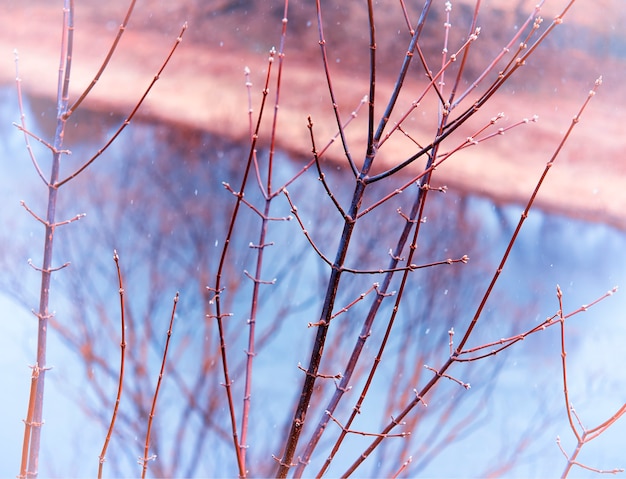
(129,118)
(120,383)
(144,461)
(105,62)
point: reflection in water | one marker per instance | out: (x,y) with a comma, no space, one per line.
(157,198)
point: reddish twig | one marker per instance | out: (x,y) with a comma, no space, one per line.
(363,433)
(144,460)
(105,63)
(126,122)
(322,177)
(402,468)
(411,267)
(586,435)
(294,211)
(472,140)
(524,215)
(432,85)
(447,376)
(331,90)
(360,298)
(532,18)
(261,214)
(122,364)
(218,289)
(321,152)
(45,223)
(496,347)
(22,126)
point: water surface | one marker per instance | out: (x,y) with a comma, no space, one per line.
(157,198)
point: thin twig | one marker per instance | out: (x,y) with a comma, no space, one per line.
(363,433)
(129,118)
(321,152)
(524,215)
(254,208)
(504,343)
(144,461)
(322,177)
(218,289)
(294,211)
(331,91)
(587,434)
(411,267)
(22,126)
(120,383)
(105,63)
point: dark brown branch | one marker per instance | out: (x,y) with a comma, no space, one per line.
(294,211)
(322,177)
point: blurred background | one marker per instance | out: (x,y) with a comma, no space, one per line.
(156,196)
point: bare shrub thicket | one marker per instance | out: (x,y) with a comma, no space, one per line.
(310,336)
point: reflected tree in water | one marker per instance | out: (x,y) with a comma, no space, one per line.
(156,217)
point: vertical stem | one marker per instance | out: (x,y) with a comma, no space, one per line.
(217,290)
(333,282)
(250,352)
(298,420)
(260,250)
(146,450)
(34,420)
(120,383)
